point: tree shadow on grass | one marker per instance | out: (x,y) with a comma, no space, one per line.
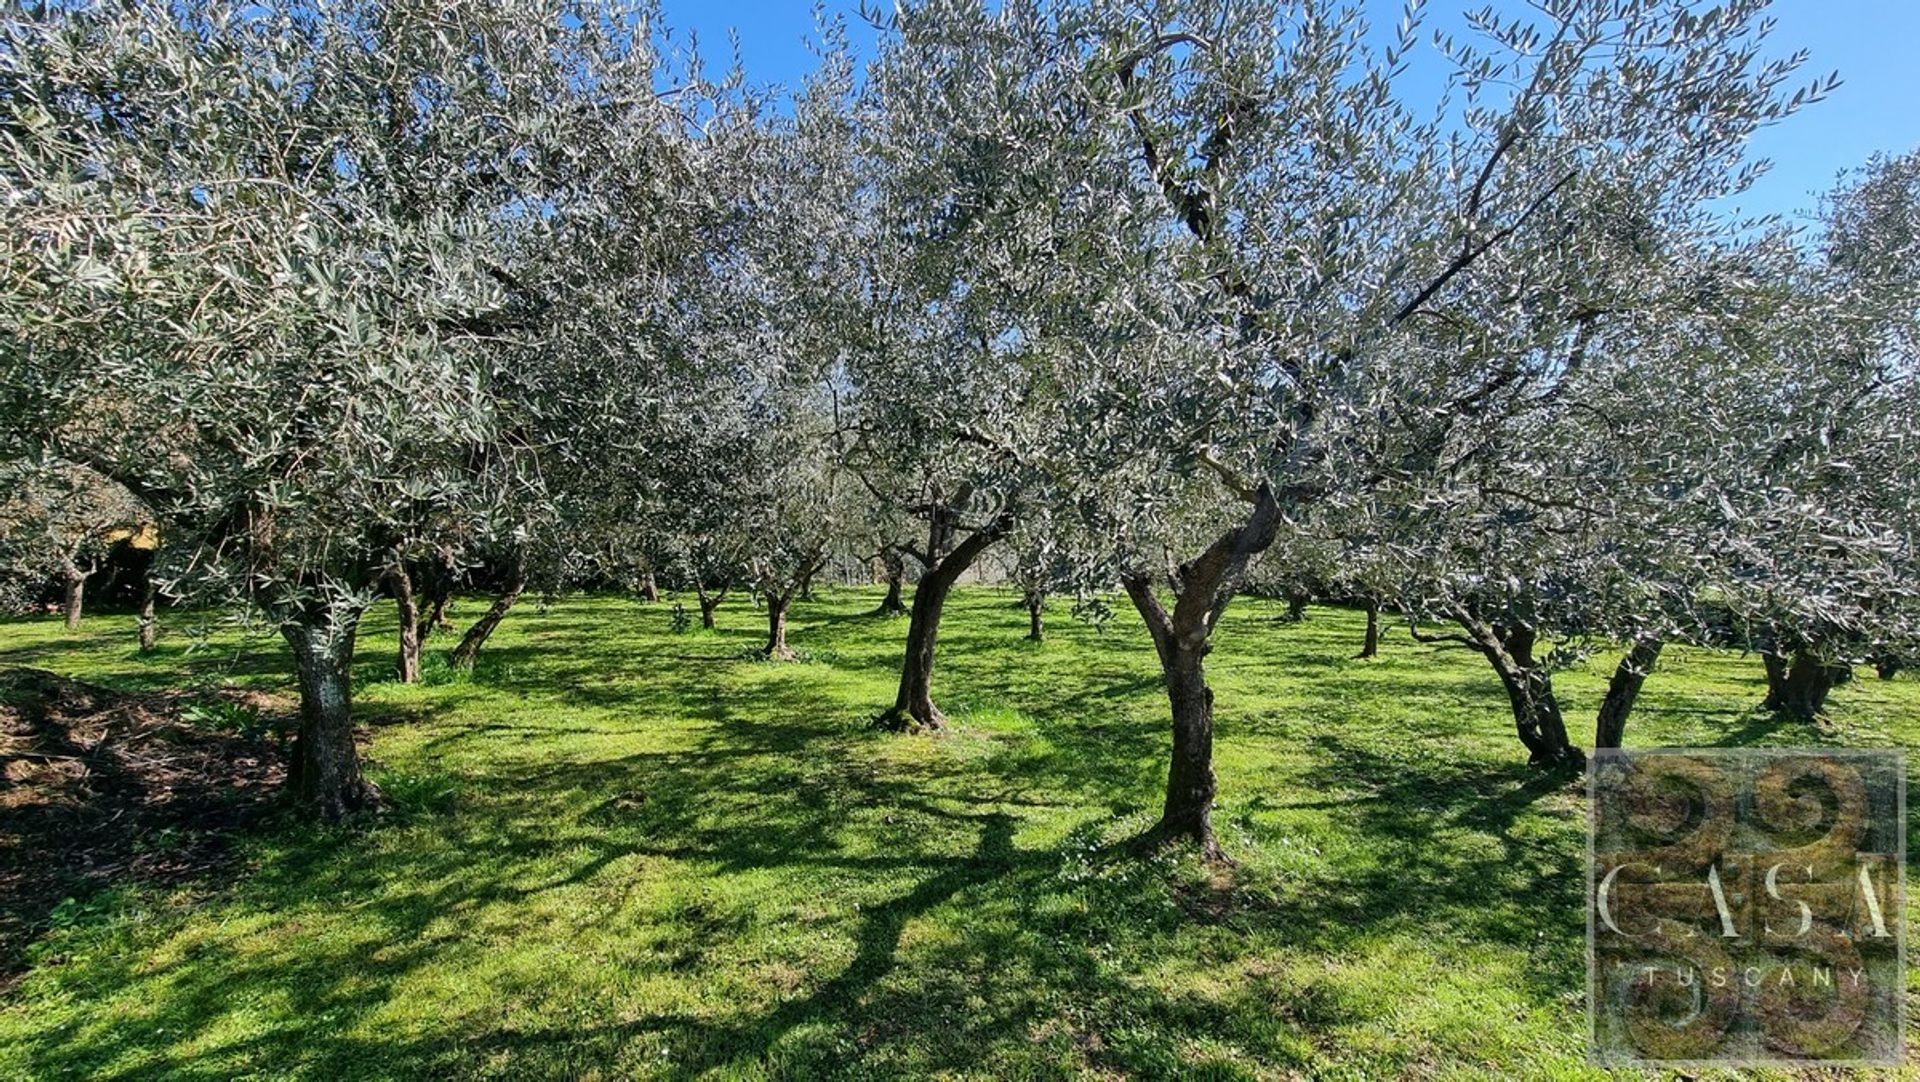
(960,932)
(1461,848)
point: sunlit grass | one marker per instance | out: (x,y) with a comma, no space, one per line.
(618,851)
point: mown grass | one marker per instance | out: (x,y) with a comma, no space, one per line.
(622,852)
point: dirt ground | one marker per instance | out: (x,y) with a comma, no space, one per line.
(99,787)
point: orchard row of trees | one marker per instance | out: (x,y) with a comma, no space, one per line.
(358,297)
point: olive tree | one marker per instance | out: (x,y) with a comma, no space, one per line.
(944,398)
(1819,569)
(231,294)
(1252,254)
(59,521)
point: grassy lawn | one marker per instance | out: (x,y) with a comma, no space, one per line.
(619,851)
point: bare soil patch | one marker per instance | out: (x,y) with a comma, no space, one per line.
(99,787)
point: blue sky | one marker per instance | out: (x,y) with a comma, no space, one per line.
(1869,42)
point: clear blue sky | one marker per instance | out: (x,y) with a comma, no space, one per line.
(1871,43)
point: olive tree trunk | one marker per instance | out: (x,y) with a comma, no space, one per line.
(436,588)
(407,666)
(894,569)
(1798,684)
(1628,676)
(1182,638)
(463,655)
(1297,605)
(325,767)
(1036,602)
(1536,712)
(149,623)
(1370,646)
(777,648)
(708,603)
(75,582)
(649,589)
(913,706)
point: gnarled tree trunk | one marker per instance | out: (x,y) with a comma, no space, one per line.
(1370,646)
(1036,602)
(913,704)
(1611,725)
(407,667)
(708,603)
(777,648)
(325,770)
(463,655)
(649,590)
(1297,605)
(436,587)
(434,616)
(1182,639)
(1798,685)
(894,569)
(1536,712)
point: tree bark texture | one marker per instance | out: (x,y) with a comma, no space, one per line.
(1798,683)
(75,583)
(325,767)
(1628,676)
(1182,638)
(149,623)
(1536,712)
(777,648)
(1036,602)
(463,655)
(407,667)
(913,706)
(1370,646)
(894,570)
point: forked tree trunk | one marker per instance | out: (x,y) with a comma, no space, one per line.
(649,590)
(463,655)
(149,623)
(1182,639)
(1188,811)
(1036,601)
(1370,646)
(75,582)
(777,648)
(1797,686)
(325,768)
(895,570)
(407,666)
(708,603)
(1623,689)
(913,704)
(1536,712)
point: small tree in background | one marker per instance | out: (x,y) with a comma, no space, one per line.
(59,522)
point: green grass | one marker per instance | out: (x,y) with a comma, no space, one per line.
(621,852)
